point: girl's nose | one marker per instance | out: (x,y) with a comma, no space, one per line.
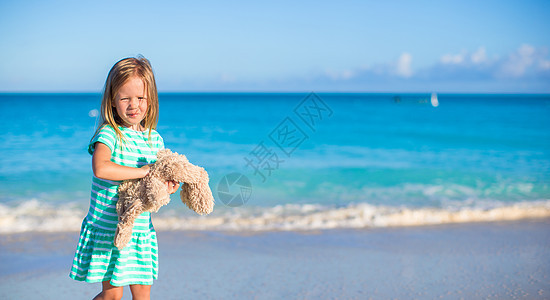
(134,102)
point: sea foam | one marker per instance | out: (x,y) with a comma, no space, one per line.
(35,216)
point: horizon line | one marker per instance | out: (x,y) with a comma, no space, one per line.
(294,92)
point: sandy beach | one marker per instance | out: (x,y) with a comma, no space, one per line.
(459,261)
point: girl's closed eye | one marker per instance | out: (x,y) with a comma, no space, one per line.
(141,99)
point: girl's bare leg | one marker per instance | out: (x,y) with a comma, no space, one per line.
(140,292)
(110,292)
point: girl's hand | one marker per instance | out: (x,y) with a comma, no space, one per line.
(172,186)
(145,169)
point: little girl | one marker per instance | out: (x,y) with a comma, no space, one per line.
(123,146)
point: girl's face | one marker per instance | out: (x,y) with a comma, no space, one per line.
(131,103)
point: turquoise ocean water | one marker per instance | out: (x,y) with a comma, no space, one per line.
(345,160)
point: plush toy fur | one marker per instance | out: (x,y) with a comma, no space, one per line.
(149,193)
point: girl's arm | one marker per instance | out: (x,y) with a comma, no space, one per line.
(104,168)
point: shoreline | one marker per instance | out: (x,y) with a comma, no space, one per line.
(37,216)
(474,260)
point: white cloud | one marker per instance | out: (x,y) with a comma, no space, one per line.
(527,68)
(544,65)
(403,66)
(518,62)
(526,61)
(479,56)
(452,59)
(526,50)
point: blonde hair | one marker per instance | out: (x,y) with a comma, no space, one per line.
(120,73)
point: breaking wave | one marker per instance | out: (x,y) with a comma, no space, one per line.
(36,216)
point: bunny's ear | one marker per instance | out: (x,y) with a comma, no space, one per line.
(163,153)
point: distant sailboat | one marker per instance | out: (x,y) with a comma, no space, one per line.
(435,102)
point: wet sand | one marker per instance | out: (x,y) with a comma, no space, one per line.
(470,261)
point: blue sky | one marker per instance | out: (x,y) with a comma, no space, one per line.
(352,46)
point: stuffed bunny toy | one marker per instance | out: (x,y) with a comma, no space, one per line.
(149,193)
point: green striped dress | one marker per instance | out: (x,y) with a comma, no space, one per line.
(96,258)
